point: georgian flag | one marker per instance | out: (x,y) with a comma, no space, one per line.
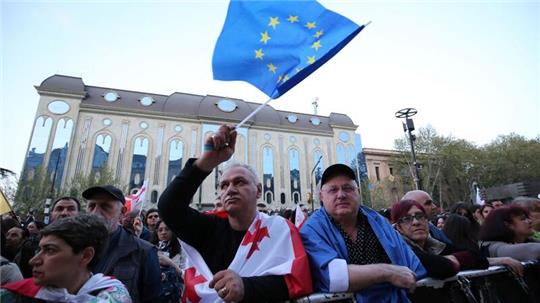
(136,201)
(98,282)
(271,246)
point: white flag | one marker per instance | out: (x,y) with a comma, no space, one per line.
(300,217)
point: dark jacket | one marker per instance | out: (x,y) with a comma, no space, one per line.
(135,263)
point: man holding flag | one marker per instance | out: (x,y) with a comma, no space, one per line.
(247,256)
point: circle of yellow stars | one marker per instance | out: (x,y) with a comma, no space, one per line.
(265,37)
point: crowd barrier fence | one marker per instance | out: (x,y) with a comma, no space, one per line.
(496,284)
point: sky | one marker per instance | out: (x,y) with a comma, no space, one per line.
(470,68)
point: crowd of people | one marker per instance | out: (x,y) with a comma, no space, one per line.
(242,252)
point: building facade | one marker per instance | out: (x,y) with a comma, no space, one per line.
(144,136)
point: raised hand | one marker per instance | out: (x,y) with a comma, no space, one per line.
(218,148)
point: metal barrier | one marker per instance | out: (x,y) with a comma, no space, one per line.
(493,285)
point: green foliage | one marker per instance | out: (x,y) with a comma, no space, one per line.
(35,187)
(450,165)
(32,190)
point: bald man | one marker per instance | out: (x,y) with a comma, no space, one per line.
(425,199)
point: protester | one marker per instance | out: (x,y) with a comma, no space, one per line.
(426,201)
(132,222)
(476,210)
(533,206)
(9,271)
(269,264)
(171,262)
(506,233)
(497,203)
(354,249)
(458,229)
(151,219)
(485,210)
(15,237)
(441,220)
(129,259)
(34,227)
(62,267)
(441,260)
(65,207)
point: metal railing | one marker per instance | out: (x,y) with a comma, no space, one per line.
(496,284)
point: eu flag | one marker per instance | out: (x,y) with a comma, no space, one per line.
(276,44)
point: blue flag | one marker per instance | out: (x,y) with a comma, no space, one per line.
(276,44)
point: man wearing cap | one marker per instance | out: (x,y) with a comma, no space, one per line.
(129,259)
(425,199)
(354,249)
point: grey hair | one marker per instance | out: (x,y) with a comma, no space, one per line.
(249,168)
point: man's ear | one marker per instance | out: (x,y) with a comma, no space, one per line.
(87,254)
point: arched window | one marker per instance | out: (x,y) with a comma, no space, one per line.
(102,150)
(294,170)
(282,198)
(138,162)
(268,174)
(176,151)
(352,157)
(340,151)
(154,197)
(38,146)
(319,167)
(59,149)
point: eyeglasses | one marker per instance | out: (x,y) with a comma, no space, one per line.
(420,217)
(347,189)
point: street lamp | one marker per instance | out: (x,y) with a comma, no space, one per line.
(311,183)
(408,126)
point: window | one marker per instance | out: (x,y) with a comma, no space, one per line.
(377,173)
(294,171)
(176,150)
(268,174)
(227,106)
(154,197)
(59,150)
(147,101)
(292,118)
(138,163)
(58,107)
(315,121)
(111,96)
(102,149)
(340,150)
(391,171)
(38,146)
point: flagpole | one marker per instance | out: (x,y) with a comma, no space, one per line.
(253,113)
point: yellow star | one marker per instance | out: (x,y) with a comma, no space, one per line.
(292,19)
(318,34)
(316,45)
(273,22)
(279,79)
(272,67)
(264,37)
(259,53)
(311,25)
(285,78)
(311,59)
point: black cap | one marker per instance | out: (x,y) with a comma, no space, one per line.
(337,170)
(106,189)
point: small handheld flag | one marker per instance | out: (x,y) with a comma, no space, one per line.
(274,45)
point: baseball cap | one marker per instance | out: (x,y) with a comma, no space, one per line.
(337,170)
(106,189)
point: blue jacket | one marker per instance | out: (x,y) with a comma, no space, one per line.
(135,263)
(324,243)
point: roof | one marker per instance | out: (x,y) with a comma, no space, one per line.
(183,105)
